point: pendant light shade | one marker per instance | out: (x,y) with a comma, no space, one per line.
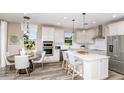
(84,30)
(73,27)
(25,24)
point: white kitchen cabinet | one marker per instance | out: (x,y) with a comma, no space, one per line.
(59,36)
(113,28)
(85,37)
(96,70)
(103,69)
(54,58)
(47,34)
(116,28)
(79,37)
(90,34)
(121,28)
(56,55)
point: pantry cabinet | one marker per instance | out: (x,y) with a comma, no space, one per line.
(59,36)
(48,34)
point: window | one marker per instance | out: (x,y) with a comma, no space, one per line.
(30,38)
(68,38)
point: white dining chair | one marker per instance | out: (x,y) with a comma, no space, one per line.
(41,60)
(8,64)
(21,62)
(65,60)
(72,65)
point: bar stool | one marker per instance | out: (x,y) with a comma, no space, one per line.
(72,65)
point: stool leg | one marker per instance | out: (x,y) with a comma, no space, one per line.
(42,65)
(63,64)
(17,72)
(73,73)
(27,72)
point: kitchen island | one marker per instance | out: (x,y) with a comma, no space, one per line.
(93,67)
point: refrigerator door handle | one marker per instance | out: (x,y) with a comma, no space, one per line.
(115,48)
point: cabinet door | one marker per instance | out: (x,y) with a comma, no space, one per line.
(84,37)
(44,34)
(113,29)
(79,37)
(103,68)
(59,36)
(121,28)
(47,34)
(50,34)
(89,36)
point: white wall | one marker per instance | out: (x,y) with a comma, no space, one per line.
(3,42)
(15,29)
(99,44)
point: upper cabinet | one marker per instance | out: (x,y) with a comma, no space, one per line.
(121,28)
(79,36)
(85,37)
(90,34)
(113,29)
(48,33)
(59,36)
(116,29)
(53,34)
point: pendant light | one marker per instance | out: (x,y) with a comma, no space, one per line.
(73,27)
(84,30)
(25,25)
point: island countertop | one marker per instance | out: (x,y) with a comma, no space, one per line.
(89,56)
(93,67)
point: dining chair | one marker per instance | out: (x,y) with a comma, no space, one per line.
(65,60)
(9,64)
(72,65)
(21,62)
(41,60)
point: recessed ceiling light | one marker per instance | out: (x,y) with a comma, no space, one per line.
(114,16)
(65,17)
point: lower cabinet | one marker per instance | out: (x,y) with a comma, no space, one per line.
(103,69)
(96,70)
(54,58)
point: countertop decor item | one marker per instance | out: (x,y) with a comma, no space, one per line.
(83,52)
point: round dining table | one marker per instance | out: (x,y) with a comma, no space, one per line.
(11,59)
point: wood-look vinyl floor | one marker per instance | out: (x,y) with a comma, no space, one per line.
(51,71)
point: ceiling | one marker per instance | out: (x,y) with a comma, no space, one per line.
(63,19)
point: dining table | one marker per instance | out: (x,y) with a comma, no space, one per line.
(31,57)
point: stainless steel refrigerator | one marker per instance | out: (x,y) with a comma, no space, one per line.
(115,49)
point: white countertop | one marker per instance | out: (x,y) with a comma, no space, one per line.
(89,57)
